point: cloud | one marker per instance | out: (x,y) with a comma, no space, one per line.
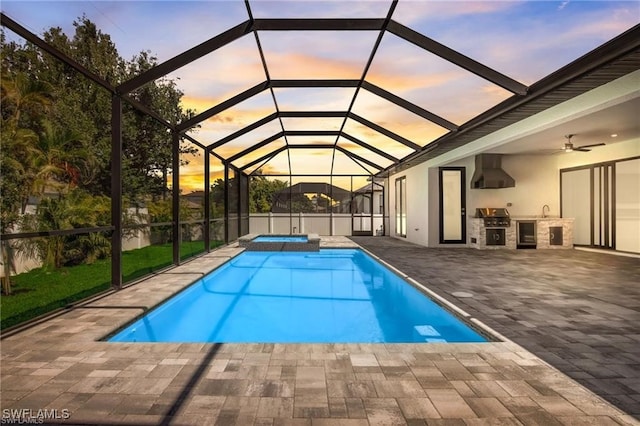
(421,13)
(230,69)
(302,66)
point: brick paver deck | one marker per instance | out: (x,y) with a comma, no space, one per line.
(61,364)
(577,310)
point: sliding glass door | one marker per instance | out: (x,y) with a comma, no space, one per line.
(605,203)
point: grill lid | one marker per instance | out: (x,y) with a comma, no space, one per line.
(492,212)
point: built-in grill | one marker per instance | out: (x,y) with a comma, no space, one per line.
(494,217)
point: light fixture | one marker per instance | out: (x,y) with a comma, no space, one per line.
(568,146)
(614,135)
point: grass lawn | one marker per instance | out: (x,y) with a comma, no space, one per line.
(38,291)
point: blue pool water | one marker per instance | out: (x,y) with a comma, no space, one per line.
(280,239)
(330,296)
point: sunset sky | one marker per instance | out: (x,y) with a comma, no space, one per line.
(524,40)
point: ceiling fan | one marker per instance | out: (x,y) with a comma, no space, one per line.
(568,145)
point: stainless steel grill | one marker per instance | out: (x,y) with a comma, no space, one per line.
(494,217)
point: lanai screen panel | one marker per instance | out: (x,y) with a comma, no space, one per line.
(431,82)
(234,118)
(397,119)
(315,123)
(524,40)
(259,153)
(344,165)
(365,153)
(317,54)
(192,208)
(314,98)
(250,139)
(376,139)
(220,75)
(278,165)
(311,140)
(310,161)
(165,29)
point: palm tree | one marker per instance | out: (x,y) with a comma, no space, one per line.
(24,102)
(59,159)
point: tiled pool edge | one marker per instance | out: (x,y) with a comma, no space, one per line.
(72,339)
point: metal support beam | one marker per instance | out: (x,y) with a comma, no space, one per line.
(193,121)
(264,157)
(207,201)
(62,57)
(357,157)
(175,192)
(372,54)
(116,192)
(254,147)
(457,58)
(312,146)
(370,148)
(226,202)
(200,144)
(385,131)
(313,83)
(186,57)
(313,114)
(146,110)
(409,106)
(243,131)
(297,24)
(312,133)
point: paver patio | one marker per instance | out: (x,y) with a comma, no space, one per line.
(60,364)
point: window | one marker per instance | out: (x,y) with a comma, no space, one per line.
(401,206)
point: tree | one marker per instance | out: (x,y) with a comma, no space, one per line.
(56,134)
(83,106)
(24,103)
(261,192)
(74,209)
(147,144)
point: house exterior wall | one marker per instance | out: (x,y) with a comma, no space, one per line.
(537,176)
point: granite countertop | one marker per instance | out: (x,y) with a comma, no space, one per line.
(540,218)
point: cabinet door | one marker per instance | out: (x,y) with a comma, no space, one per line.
(496,237)
(555,235)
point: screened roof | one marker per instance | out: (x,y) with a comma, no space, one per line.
(337,87)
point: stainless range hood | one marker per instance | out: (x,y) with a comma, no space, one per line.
(489,173)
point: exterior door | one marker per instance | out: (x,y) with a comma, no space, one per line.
(453,221)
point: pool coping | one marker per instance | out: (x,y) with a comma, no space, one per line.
(311,244)
(62,357)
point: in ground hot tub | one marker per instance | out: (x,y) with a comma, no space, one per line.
(280,242)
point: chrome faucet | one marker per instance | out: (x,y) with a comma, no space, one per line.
(543,213)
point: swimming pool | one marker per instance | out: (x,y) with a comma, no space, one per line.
(330,296)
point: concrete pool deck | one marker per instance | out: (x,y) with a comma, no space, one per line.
(60,365)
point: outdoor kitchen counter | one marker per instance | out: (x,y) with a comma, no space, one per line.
(552,232)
